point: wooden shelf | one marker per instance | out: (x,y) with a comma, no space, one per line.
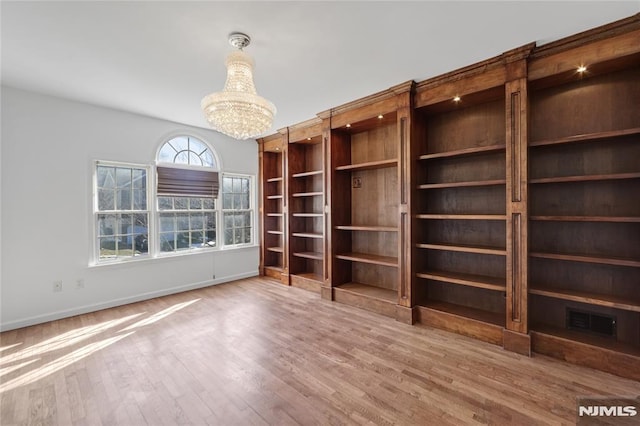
(306,235)
(380,293)
(305,174)
(275,249)
(307,214)
(614,219)
(275,179)
(586,178)
(369,165)
(306,194)
(463,311)
(369,258)
(275,214)
(492,182)
(274,232)
(274,197)
(464,152)
(367,228)
(464,249)
(463,216)
(587,137)
(309,255)
(619,261)
(587,297)
(479,281)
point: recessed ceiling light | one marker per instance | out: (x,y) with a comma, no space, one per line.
(582,69)
(456,98)
(380,117)
(348,125)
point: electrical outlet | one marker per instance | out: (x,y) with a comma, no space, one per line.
(356,182)
(80,283)
(57,286)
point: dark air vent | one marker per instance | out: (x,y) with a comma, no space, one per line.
(591,322)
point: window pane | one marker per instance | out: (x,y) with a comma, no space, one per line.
(237,201)
(167,223)
(238,220)
(166,153)
(195,203)
(139,199)
(105,177)
(227,184)
(123,199)
(197,221)
(180,203)
(123,177)
(106,224)
(167,242)
(247,235)
(208,203)
(210,220)
(228,236)
(106,199)
(237,185)
(182,240)
(125,224)
(182,221)
(207,159)
(244,204)
(139,178)
(197,238)
(245,185)
(227,201)
(165,203)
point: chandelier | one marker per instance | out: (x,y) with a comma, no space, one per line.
(238,111)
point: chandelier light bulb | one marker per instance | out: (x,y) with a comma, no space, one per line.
(238,111)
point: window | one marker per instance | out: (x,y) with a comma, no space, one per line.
(187,192)
(121,212)
(236,210)
(186,223)
(174,210)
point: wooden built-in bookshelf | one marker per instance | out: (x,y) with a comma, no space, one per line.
(368,143)
(306,205)
(500,200)
(584,175)
(273,220)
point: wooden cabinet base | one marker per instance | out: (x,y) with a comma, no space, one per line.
(516,342)
(277,273)
(624,362)
(358,296)
(466,326)
(326,292)
(406,315)
(306,281)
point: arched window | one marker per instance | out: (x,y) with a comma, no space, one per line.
(188,151)
(187,189)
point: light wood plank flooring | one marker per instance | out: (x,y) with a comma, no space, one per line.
(255,352)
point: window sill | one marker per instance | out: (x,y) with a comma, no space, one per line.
(168,256)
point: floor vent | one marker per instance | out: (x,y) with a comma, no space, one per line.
(603,325)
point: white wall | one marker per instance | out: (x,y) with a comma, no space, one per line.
(48,148)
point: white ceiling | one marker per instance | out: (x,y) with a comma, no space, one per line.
(160,58)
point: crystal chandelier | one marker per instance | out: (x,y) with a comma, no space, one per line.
(238,111)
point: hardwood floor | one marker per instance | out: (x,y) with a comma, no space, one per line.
(257,352)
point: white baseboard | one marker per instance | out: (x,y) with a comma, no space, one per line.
(52,316)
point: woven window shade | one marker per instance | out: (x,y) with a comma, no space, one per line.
(187,183)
